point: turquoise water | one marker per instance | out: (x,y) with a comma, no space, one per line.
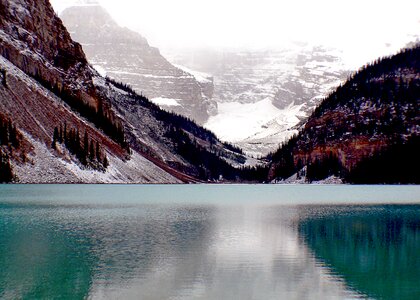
(209,242)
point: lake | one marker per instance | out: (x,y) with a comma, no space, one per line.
(209,242)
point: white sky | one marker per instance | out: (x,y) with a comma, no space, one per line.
(361,28)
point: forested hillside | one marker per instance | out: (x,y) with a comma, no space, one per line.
(370,121)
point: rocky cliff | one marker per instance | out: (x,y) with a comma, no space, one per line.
(34,39)
(126,56)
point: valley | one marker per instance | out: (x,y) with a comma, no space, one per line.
(288,114)
(263,94)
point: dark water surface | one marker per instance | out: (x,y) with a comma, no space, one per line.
(209,242)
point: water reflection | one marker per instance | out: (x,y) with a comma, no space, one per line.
(145,251)
(38,261)
(376,250)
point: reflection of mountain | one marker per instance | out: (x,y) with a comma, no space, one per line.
(157,243)
(150,251)
(77,252)
(375,250)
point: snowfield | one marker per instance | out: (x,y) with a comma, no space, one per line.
(236,121)
(246,124)
(199,76)
(263,94)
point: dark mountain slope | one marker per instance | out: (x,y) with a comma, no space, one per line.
(177,140)
(378,107)
(46,83)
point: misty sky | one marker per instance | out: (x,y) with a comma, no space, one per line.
(361,28)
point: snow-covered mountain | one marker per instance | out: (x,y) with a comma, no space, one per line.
(263,94)
(251,98)
(126,56)
(57,107)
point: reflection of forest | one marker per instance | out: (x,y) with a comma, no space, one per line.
(375,249)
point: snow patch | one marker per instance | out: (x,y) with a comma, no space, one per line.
(166,101)
(199,76)
(100,70)
(295,179)
(246,124)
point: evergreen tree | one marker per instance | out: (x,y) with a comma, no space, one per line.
(6,173)
(65,133)
(91,151)
(98,152)
(105,162)
(55,138)
(12,134)
(78,148)
(4,137)
(60,136)
(86,144)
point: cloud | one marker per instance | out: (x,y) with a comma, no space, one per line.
(348,25)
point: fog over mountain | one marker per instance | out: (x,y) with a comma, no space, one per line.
(381,27)
(262,67)
(262,95)
(127,57)
(61,121)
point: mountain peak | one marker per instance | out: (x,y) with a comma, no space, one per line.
(96,23)
(126,56)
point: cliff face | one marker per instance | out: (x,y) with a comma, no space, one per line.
(34,39)
(127,57)
(378,107)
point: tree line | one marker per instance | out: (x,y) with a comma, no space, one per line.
(87,151)
(182,133)
(9,140)
(101,117)
(211,166)
(173,119)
